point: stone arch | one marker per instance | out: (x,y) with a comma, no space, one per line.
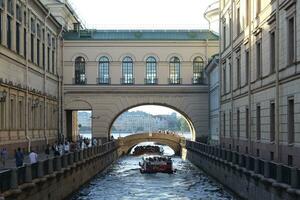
(198,55)
(78,104)
(149,55)
(173,141)
(104,54)
(80,54)
(127,54)
(172,55)
(184,114)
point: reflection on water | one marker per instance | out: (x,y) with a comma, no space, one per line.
(123,181)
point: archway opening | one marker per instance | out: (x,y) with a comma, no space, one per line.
(152,119)
(163,149)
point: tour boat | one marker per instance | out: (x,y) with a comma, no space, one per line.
(154,164)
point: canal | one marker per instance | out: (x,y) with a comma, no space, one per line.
(123,181)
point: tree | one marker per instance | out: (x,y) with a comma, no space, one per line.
(184,127)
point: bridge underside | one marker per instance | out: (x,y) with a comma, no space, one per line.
(107,103)
(176,143)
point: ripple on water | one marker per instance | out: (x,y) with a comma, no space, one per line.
(123,181)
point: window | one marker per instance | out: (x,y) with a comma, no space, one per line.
(291,121)
(224,78)
(25,42)
(290,160)
(12,113)
(44,55)
(127,71)
(258,60)
(32,47)
(18,13)
(238,123)
(224,124)
(238,71)
(198,70)
(291,40)
(38,52)
(53,61)
(247,60)
(174,71)
(104,71)
(272,52)
(21,113)
(247,122)
(48,59)
(8,32)
(238,22)
(258,125)
(151,74)
(80,78)
(18,37)
(10,7)
(272,122)
(2,115)
(230,124)
(224,34)
(271,155)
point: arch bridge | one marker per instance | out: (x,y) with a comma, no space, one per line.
(174,141)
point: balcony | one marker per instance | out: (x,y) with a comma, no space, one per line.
(79,81)
(151,81)
(197,80)
(127,81)
(174,81)
(103,81)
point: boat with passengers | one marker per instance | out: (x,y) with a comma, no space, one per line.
(155,164)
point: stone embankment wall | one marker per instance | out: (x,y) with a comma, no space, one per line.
(57,178)
(248,177)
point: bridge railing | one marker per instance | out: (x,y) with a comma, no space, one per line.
(12,178)
(285,176)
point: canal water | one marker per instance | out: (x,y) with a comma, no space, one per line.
(123,181)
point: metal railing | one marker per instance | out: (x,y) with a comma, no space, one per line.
(268,169)
(79,81)
(103,80)
(127,81)
(12,178)
(197,80)
(174,81)
(151,81)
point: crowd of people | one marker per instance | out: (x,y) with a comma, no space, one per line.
(139,150)
(56,149)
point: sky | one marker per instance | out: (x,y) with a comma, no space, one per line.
(143,14)
(154,110)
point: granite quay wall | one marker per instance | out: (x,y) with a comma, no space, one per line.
(247,176)
(58,177)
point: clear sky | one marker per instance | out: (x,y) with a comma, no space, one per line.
(143,14)
(154,110)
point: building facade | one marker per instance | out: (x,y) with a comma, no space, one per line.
(260,77)
(118,70)
(212,71)
(29,75)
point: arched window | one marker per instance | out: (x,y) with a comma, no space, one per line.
(80,71)
(151,77)
(104,70)
(198,65)
(127,71)
(174,71)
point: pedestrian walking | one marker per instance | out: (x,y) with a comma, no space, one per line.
(66,147)
(19,158)
(4,155)
(47,150)
(33,157)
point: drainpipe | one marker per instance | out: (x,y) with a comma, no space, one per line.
(250,150)
(231,75)
(45,71)
(277,129)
